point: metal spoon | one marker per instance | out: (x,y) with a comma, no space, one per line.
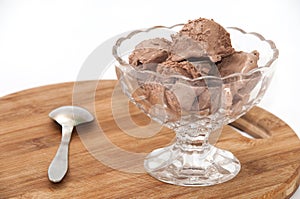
(68,117)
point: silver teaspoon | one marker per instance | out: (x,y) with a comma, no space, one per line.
(68,117)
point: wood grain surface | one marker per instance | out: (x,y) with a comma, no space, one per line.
(29,140)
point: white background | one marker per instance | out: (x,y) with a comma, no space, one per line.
(45,42)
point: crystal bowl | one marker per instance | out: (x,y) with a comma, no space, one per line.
(196,109)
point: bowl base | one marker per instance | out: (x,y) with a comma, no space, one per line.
(202,166)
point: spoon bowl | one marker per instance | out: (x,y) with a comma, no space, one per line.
(68,117)
(73,115)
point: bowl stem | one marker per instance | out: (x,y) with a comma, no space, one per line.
(192,160)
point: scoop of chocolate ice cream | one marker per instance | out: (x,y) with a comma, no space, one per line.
(237,92)
(151,92)
(149,95)
(215,40)
(184,68)
(205,66)
(149,53)
(238,62)
(184,47)
(156,43)
(183,98)
(154,97)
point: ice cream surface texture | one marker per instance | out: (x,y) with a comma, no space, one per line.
(213,38)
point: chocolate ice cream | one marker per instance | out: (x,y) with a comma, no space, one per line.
(201,48)
(184,68)
(211,36)
(149,53)
(238,62)
(184,47)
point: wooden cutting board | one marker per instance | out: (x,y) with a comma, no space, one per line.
(29,140)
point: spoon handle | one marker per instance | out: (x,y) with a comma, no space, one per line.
(59,165)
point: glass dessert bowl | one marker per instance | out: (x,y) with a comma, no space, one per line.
(195,108)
